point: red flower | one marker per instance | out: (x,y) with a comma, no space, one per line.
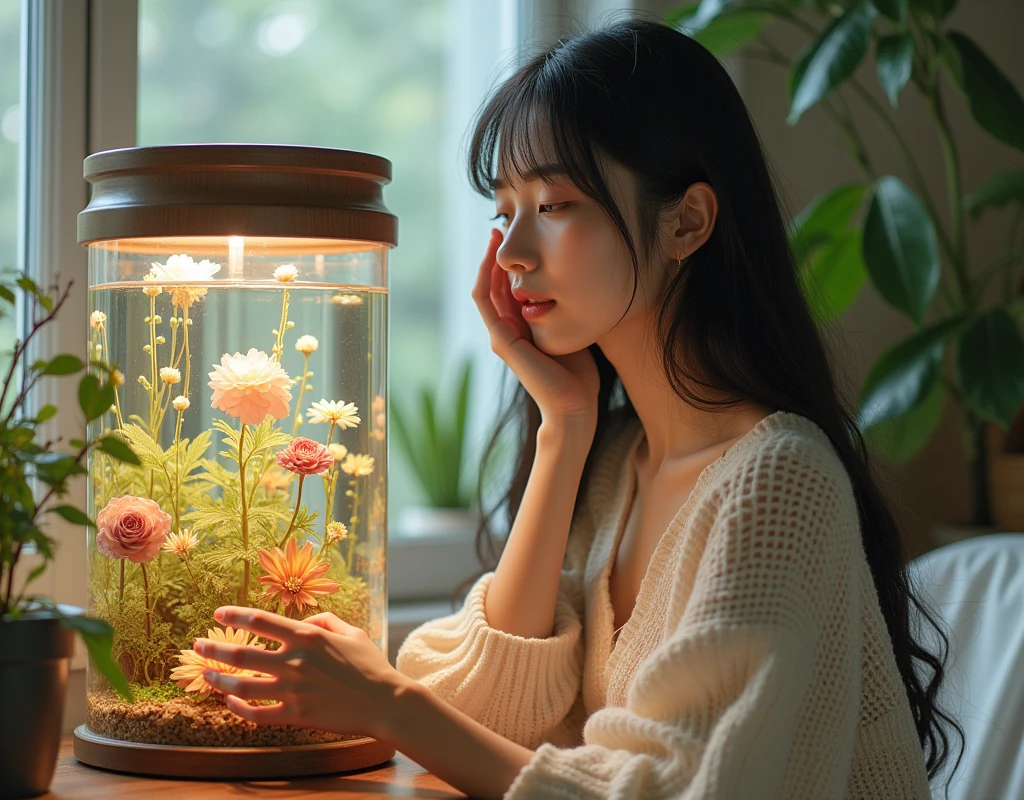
(305,457)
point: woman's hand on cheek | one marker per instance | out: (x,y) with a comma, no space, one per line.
(327,674)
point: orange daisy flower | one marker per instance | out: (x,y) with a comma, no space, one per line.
(295,575)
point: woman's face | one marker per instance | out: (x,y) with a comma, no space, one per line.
(560,245)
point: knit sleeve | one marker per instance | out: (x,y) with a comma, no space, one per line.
(518,687)
(756,689)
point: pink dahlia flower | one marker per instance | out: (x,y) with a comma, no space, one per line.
(305,457)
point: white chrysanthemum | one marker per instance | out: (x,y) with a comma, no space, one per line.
(183,268)
(307,344)
(97,319)
(180,403)
(170,375)
(180,543)
(339,451)
(359,465)
(250,387)
(341,413)
(286,273)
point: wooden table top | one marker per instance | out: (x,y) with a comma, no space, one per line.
(400,777)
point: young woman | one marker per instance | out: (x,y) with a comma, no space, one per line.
(703,591)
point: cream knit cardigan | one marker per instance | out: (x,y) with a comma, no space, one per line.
(756,662)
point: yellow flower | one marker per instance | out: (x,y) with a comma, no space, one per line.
(341,413)
(295,575)
(117,377)
(339,451)
(189,674)
(359,465)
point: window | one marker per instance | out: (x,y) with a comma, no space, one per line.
(10,150)
(385,77)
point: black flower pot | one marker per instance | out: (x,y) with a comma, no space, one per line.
(34,653)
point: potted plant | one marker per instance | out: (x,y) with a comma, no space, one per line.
(434,446)
(36,634)
(887,232)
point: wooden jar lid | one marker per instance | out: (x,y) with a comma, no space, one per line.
(237,190)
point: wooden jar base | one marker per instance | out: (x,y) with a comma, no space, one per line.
(227,763)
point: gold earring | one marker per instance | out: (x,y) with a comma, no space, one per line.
(679,263)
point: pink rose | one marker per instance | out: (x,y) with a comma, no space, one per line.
(305,457)
(133,528)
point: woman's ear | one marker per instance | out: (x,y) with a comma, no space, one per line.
(692,221)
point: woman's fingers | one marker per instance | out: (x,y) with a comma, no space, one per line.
(332,622)
(260,622)
(482,287)
(245,686)
(264,715)
(239,656)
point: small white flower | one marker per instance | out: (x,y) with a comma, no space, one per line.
(336,411)
(286,273)
(180,403)
(183,268)
(336,532)
(307,344)
(97,319)
(339,451)
(170,375)
(152,291)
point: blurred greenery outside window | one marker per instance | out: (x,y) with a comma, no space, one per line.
(10,137)
(335,73)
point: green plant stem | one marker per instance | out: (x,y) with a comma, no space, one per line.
(117,399)
(302,390)
(149,611)
(154,372)
(295,513)
(121,592)
(352,523)
(188,566)
(177,472)
(953,184)
(1008,289)
(245,520)
(1003,263)
(279,345)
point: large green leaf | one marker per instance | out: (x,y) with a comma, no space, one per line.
(93,398)
(893,9)
(73,515)
(826,216)
(900,248)
(833,277)
(937,9)
(99,639)
(830,59)
(117,448)
(1005,187)
(991,366)
(730,32)
(894,60)
(63,365)
(901,438)
(904,375)
(994,101)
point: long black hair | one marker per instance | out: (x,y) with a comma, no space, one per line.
(734,322)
